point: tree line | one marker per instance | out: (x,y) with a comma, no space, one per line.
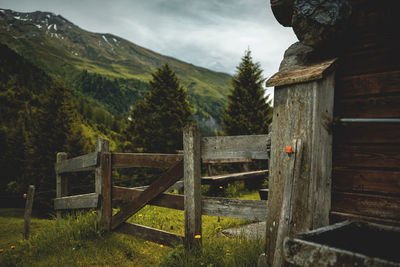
(40,116)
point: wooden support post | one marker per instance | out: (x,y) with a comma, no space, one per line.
(102,146)
(289,197)
(28,211)
(301,111)
(192,183)
(61,182)
(106,192)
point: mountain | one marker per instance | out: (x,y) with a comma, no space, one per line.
(63,49)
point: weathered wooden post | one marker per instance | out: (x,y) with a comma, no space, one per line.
(303,110)
(28,211)
(61,181)
(102,147)
(192,186)
(106,192)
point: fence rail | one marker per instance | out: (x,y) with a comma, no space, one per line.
(196,150)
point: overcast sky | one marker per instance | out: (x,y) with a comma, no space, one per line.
(208,33)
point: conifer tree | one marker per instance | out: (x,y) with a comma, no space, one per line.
(158,121)
(247,110)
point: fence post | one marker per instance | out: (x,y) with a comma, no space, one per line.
(102,146)
(106,192)
(192,185)
(61,182)
(28,211)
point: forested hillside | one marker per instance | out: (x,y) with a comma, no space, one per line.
(106,68)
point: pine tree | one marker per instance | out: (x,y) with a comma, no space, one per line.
(247,110)
(158,121)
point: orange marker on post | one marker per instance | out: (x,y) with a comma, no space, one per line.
(289,149)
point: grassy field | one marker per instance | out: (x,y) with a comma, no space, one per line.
(80,241)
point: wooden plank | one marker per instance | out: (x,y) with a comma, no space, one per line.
(302,111)
(192,188)
(102,146)
(171,201)
(128,160)
(290,197)
(300,74)
(368,84)
(159,186)
(61,182)
(227,160)
(366,180)
(367,133)
(84,201)
(106,192)
(150,234)
(82,163)
(224,178)
(28,211)
(383,106)
(255,210)
(336,217)
(379,156)
(234,147)
(380,206)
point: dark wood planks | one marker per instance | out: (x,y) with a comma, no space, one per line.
(380,206)
(151,234)
(381,106)
(129,160)
(367,133)
(341,216)
(159,186)
(366,180)
(82,163)
(371,156)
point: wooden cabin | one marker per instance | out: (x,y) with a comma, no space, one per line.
(341,116)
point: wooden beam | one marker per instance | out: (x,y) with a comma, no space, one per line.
(232,148)
(106,192)
(28,211)
(84,201)
(290,196)
(156,188)
(380,206)
(227,160)
(341,216)
(171,201)
(102,146)
(192,189)
(224,178)
(61,182)
(128,160)
(150,234)
(82,163)
(255,210)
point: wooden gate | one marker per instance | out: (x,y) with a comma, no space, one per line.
(196,150)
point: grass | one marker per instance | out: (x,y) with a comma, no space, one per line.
(80,241)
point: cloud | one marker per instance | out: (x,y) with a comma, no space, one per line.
(209,33)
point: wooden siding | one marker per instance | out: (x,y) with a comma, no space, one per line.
(366,156)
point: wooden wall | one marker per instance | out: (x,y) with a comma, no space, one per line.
(366,156)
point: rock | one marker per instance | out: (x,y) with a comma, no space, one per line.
(297,54)
(283,11)
(319,23)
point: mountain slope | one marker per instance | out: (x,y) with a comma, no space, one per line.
(62,48)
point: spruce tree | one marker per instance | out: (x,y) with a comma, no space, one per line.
(247,110)
(157,122)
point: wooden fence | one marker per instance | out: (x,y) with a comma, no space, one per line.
(196,150)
